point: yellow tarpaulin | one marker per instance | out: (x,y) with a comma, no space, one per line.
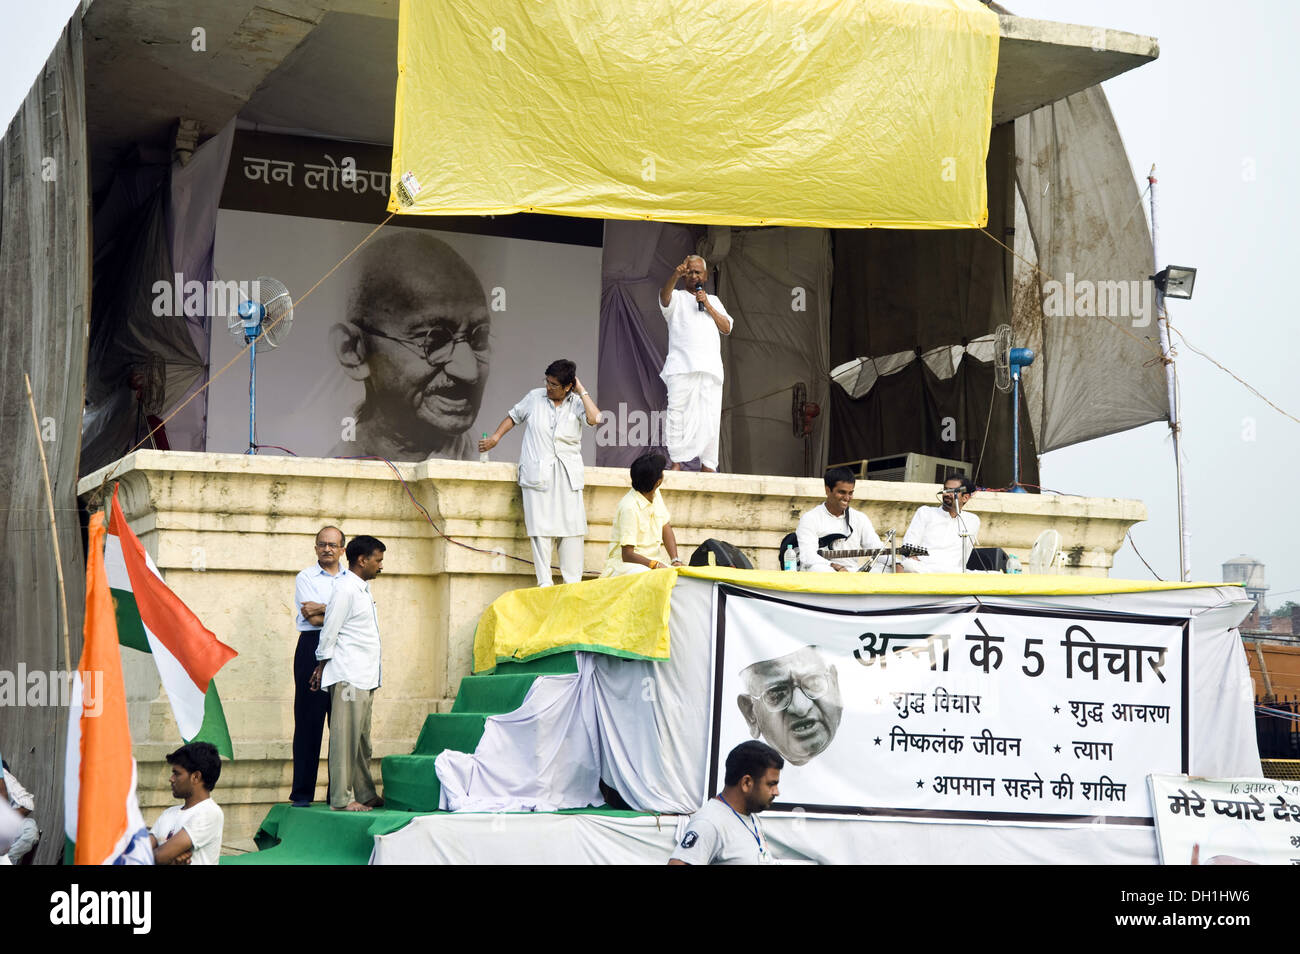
(622,616)
(831,113)
(628,615)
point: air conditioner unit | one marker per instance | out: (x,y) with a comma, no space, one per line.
(908,468)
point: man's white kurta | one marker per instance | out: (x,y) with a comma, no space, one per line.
(941,534)
(819,522)
(693,375)
(550,464)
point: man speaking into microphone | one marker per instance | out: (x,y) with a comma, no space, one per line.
(693,371)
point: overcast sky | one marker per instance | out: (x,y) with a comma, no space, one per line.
(30,30)
(1215,114)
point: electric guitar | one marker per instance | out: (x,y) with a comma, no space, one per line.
(825,548)
(826,544)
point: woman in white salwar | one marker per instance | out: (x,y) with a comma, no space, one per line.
(550,467)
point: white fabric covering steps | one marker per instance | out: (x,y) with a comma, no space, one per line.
(539,758)
(642,726)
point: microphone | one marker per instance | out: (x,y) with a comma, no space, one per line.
(699,304)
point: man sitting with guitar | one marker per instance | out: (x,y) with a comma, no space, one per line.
(834,524)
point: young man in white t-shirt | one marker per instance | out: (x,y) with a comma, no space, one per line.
(190,833)
(726,831)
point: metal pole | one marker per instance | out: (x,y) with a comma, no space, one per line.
(1171,383)
(252,395)
(1016,487)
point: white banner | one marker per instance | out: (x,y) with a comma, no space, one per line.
(961,711)
(1226,821)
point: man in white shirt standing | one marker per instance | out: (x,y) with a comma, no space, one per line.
(693,370)
(725,831)
(190,833)
(948,532)
(311,594)
(348,665)
(835,516)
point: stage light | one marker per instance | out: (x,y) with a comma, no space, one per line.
(1175,281)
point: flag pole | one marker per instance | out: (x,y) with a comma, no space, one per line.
(1171,383)
(54,529)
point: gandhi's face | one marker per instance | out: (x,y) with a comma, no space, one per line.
(793,702)
(438,366)
(425,330)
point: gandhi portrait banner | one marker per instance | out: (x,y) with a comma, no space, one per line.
(419,343)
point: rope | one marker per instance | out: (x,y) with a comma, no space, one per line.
(1144,342)
(1141,557)
(226,367)
(1161,357)
(1244,384)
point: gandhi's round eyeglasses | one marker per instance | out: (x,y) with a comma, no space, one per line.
(778,698)
(437,344)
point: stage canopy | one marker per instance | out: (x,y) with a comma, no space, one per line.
(1046,175)
(826,113)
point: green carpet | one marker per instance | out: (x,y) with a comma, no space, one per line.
(556,664)
(319,836)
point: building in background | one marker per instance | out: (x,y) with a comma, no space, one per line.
(1249,572)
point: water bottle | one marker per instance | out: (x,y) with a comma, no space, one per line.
(1013,564)
(483,455)
(788,559)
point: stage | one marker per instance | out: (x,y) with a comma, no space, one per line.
(229,532)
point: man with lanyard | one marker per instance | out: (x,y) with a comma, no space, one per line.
(835,516)
(311,594)
(948,532)
(726,830)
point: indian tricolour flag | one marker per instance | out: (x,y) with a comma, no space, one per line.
(101,813)
(152,619)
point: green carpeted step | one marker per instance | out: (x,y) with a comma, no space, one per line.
(492,694)
(459,731)
(318,836)
(556,664)
(410,782)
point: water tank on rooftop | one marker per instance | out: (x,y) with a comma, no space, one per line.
(1246,570)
